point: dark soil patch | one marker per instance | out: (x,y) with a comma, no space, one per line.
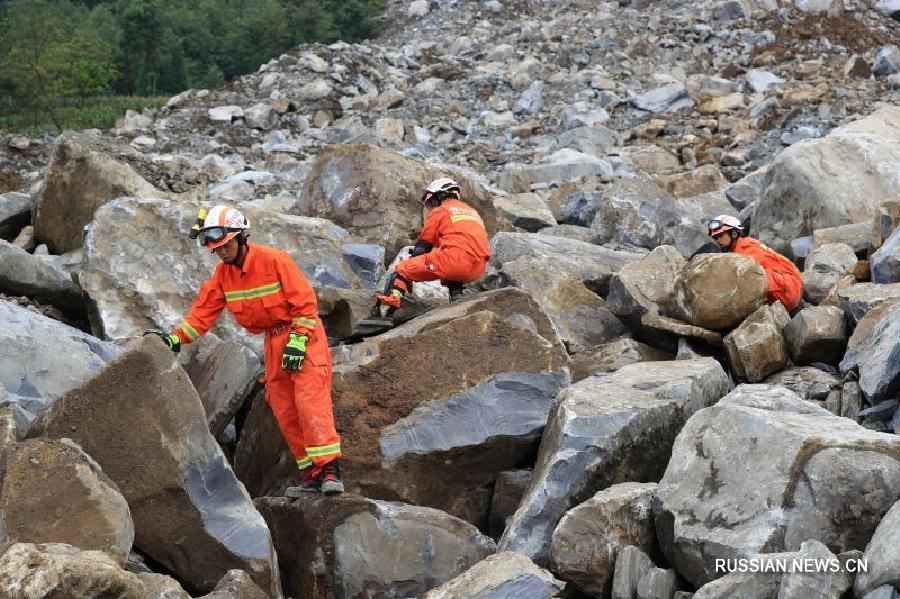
(10,182)
(846,31)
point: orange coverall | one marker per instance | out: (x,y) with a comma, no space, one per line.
(460,241)
(785,281)
(270,295)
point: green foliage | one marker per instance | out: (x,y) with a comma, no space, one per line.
(52,51)
(100,112)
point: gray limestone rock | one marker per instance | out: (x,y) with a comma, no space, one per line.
(631,565)
(351,546)
(168,466)
(38,277)
(885,262)
(45,483)
(15,213)
(588,539)
(817,334)
(524,210)
(713,507)
(72,358)
(505,574)
(825,265)
(605,430)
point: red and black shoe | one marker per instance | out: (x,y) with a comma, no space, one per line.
(324,479)
(308,484)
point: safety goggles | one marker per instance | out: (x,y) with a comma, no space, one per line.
(714,224)
(212,235)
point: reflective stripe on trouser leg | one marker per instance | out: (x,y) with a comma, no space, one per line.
(280,397)
(312,398)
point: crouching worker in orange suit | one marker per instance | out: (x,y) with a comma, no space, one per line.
(452,247)
(267,293)
(785,280)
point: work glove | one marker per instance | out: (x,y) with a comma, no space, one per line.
(171,340)
(294,352)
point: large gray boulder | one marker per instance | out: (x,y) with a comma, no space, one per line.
(586,543)
(84,173)
(885,262)
(140,269)
(594,265)
(756,348)
(858,300)
(71,358)
(824,266)
(860,337)
(505,574)
(797,479)
(718,291)
(142,421)
(612,356)
(835,180)
(38,277)
(817,334)
(645,286)
(501,365)
(350,546)
(60,570)
(882,555)
(374,193)
(877,359)
(53,492)
(609,429)
(524,210)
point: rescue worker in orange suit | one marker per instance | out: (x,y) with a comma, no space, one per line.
(452,247)
(267,293)
(785,280)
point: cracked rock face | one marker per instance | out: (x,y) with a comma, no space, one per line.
(798,478)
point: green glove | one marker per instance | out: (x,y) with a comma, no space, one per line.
(294,352)
(171,340)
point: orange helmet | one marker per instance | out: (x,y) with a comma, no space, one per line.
(221,225)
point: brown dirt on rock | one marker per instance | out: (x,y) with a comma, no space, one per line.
(846,31)
(10,182)
(437,363)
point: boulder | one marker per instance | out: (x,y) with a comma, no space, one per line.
(668,98)
(657,583)
(860,336)
(636,212)
(858,300)
(604,430)
(236,584)
(882,555)
(72,358)
(718,291)
(580,316)
(631,566)
(756,348)
(586,542)
(645,286)
(525,211)
(885,262)
(798,478)
(84,173)
(60,570)
(508,492)
(817,334)
(856,235)
(746,191)
(374,193)
(835,180)
(505,574)
(156,283)
(350,546)
(15,213)
(592,264)
(224,375)
(612,356)
(261,116)
(190,513)
(225,114)
(825,265)
(876,358)
(808,382)
(557,168)
(401,435)
(45,482)
(701,180)
(38,277)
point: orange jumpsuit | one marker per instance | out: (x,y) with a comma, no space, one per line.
(270,295)
(460,241)
(785,281)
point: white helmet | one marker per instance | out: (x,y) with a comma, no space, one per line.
(440,186)
(221,225)
(723,223)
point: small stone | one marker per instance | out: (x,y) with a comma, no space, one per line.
(887,61)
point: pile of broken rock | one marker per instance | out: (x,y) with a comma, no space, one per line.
(602,415)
